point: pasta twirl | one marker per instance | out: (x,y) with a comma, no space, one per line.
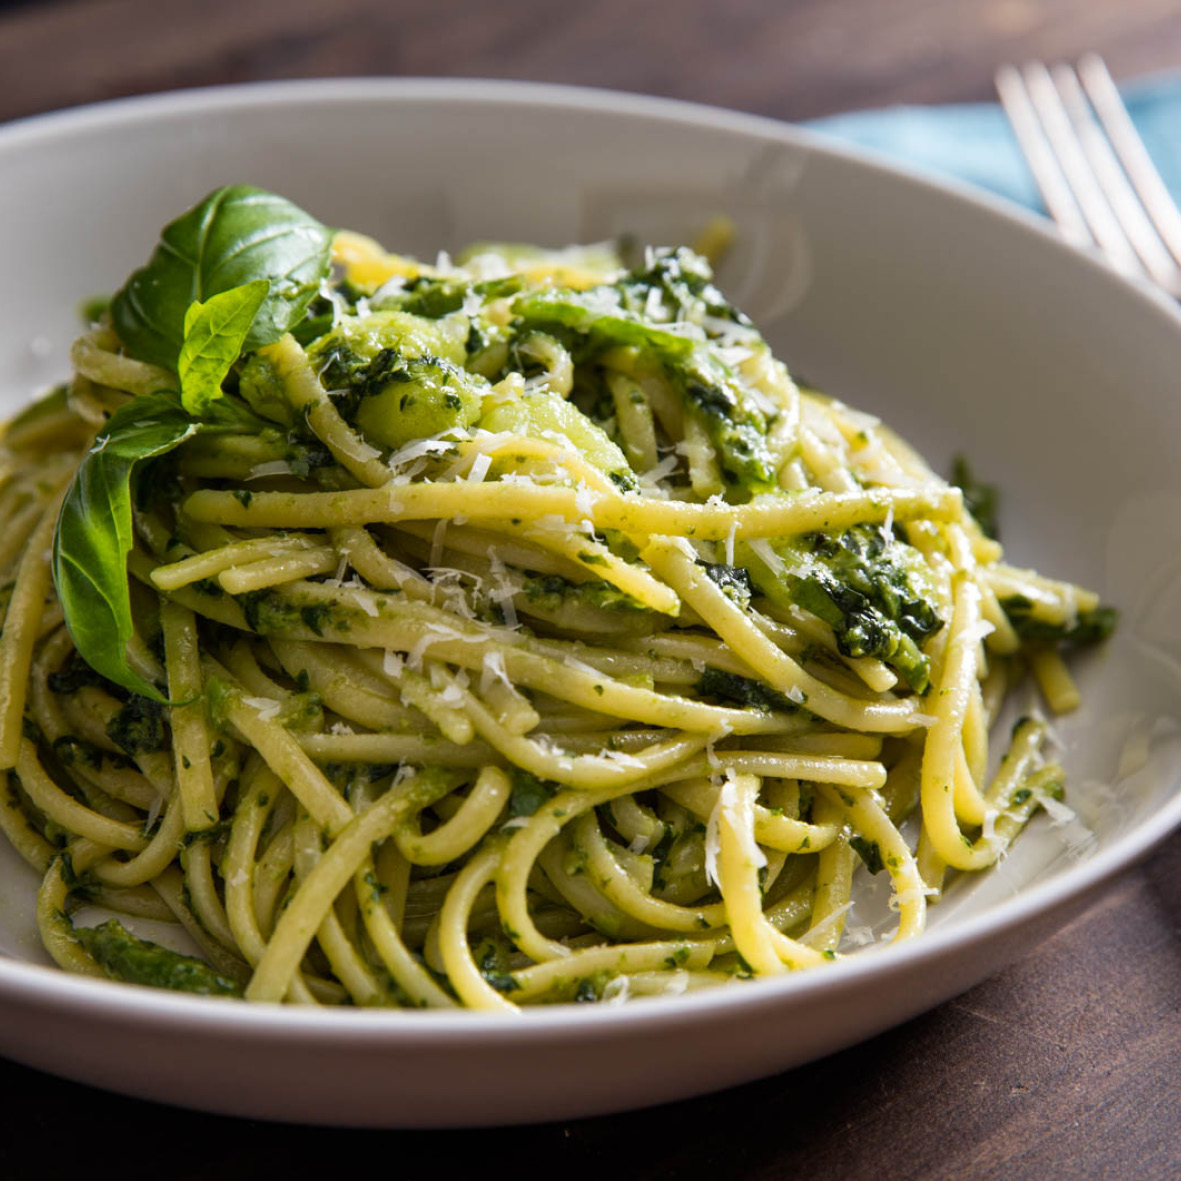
(490,633)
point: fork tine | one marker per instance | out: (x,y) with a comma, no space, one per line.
(1101,219)
(1129,147)
(1036,149)
(1125,205)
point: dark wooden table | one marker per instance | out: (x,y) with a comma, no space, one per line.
(1067,1065)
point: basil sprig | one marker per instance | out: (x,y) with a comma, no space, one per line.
(237,235)
(214,334)
(231,275)
(94,534)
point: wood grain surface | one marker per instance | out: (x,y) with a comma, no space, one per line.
(794,59)
(1067,1065)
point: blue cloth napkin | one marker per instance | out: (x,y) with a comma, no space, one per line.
(974,143)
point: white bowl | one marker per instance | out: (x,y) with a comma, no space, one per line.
(961,322)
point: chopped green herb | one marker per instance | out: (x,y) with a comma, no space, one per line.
(868,586)
(138,727)
(137,961)
(730,687)
(981,500)
(869,852)
(1089,627)
(529,793)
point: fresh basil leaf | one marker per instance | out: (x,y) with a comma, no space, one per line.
(214,333)
(235,236)
(95,533)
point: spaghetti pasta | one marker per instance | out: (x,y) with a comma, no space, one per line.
(491,633)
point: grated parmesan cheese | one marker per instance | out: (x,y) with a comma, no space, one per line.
(268,708)
(493,670)
(616,990)
(662,470)
(479,468)
(154,812)
(273,467)
(814,934)
(713,843)
(390,288)
(437,539)
(761,547)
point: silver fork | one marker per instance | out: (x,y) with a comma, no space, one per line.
(1094,172)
